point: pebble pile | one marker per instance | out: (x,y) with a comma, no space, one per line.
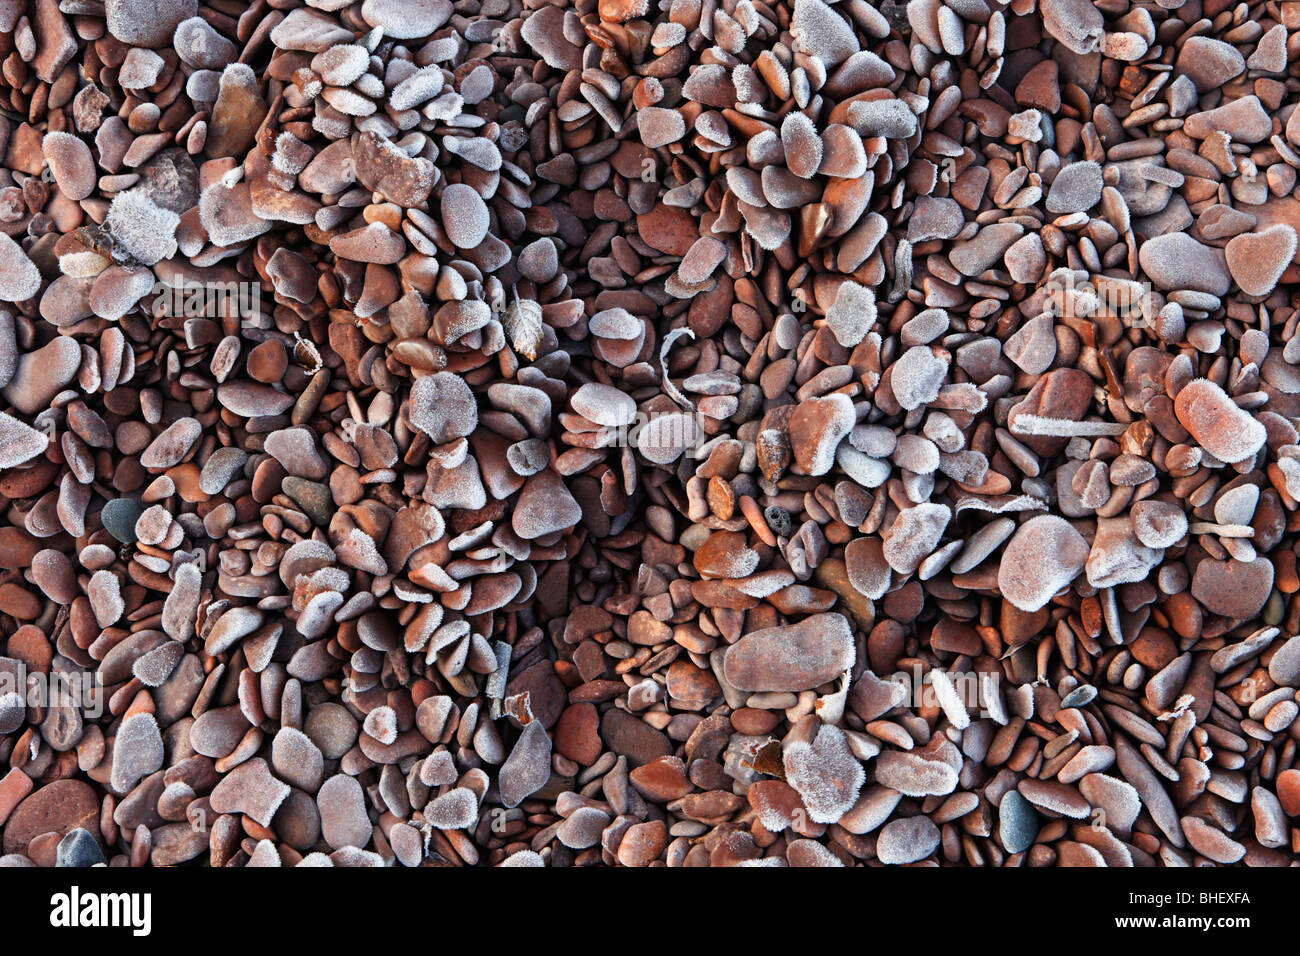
(615,432)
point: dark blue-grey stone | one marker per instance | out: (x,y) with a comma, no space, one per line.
(1017,822)
(119,517)
(78,848)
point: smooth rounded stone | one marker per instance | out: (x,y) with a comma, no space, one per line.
(1118,556)
(701,260)
(171,447)
(1177,261)
(544,32)
(381,723)
(147,23)
(443,407)
(79,848)
(914,535)
(233,625)
(852,314)
(974,256)
(1211,842)
(524,859)
(1076,24)
(250,788)
(1278,372)
(1288,791)
(1209,63)
(236,114)
(917,377)
(464,216)
(1237,505)
(297,821)
(137,751)
(176,843)
(824,772)
(407,19)
(343,817)
(215,733)
(1244,119)
(982,543)
(810,853)
(791,657)
(252,399)
(296,759)
(342,65)
(924,327)
(1017,822)
(42,374)
(295,449)
(1258,259)
(934,218)
(577,735)
(1220,426)
(802,145)
(105,593)
(817,426)
(53,573)
(71,163)
(659,127)
(375,243)
(1284,667)
(455,810)
(1158,524)
(539,261)
(642,844)
(117,290)
(1076,188)
(19,442)
(1026,258)
(631,737)
(913,775)
(544,506)
(582,828)
(821,32)
(220,469)
(604,404)
(1044,555)
(1234,589)
(867,568)
(891,118)
(907,840)
(1033,346)
(528,767)
(332,728)
(378,165)
(153,669)
(202,47)
(20,280)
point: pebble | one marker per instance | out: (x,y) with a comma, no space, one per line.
(1217,423)
(907,840)
(79,848)
(464,216)
(250,789)
(791,657)
(1257,260)
(343,818)
(1076,188)
(1044,555)
(1177,261)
